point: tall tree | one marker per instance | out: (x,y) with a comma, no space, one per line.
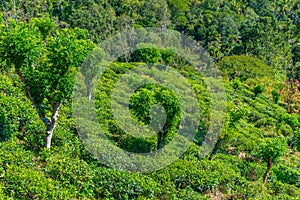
(264,39)
(98,18)
(46,60)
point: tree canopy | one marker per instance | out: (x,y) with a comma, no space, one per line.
(47,46)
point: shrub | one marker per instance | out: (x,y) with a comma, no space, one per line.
(275,96)
(71,172)
(23,183)
(146,55)
(258,89)
(287,175)
(13,154)
(201,176)
(244,67)
(115,184)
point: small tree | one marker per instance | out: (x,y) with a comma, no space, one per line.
(46,60)
(145,98)
(90,68)
(233,118)
(270,152)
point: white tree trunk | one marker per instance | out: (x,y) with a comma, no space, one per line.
(89,90)
(51,126)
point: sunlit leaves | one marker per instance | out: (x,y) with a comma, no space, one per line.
(21,45)
(272,148)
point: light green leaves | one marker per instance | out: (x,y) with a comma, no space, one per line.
(273,148)
(21,45)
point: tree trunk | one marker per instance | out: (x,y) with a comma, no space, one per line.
(51,126)
(269,166)
(161,136)
(89,90)
(275,10)
(49,134)
(216,148)
(71,6)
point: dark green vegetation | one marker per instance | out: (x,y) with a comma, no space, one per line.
(256,47)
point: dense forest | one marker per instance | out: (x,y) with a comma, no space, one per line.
(252,48)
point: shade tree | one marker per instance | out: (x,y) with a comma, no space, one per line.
(46,60)
(270,151)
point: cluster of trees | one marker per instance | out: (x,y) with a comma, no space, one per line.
(255,45)
(268,30)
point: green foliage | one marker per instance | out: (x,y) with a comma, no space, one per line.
(258,37)
(276,96)
(71,173)
(147,55)
(140,103)
(244,67)
(146,97)
(120,185)
(296,139)
(287,174)
(197,177)
(95,16)
(272,148)
(16,118)
(13,154)
(258,89)
(46,65)
(23,183)
(21,45)
(45,25)
(91,67)
(67,51)
(256,46)
(22,48)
